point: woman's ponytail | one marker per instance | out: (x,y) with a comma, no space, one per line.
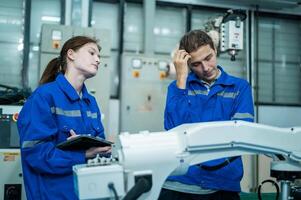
(52,69)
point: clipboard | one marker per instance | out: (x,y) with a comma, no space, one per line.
(83,142)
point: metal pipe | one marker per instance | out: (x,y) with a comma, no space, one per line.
(26,45)
(285,190)
(149,7)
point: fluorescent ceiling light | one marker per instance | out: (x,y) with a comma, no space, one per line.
(51,19)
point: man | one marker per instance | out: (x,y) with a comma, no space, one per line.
(207,93)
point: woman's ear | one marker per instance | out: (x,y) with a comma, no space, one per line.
(70,54)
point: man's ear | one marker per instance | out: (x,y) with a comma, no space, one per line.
(70,54)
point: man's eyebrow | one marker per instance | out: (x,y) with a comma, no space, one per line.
(208,56)
(197,61)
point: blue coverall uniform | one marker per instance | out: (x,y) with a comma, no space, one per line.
(229,98)
(46,120)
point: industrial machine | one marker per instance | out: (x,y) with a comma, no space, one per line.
(227,32)
(11,179)
(52,39)
(141,162)
(231,32)
(9,131)
(144,84)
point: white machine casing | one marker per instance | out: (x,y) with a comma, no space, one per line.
(93,181)
(161,154)
(231,36)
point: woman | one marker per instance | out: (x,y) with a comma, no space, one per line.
(60,108)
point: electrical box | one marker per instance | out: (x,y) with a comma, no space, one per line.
(8,131)
(92,182)
(11,178)
(53,38)
(144,85)
(232,35)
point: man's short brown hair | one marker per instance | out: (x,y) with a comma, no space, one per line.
(194,39)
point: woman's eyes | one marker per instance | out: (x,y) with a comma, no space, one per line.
(92,53)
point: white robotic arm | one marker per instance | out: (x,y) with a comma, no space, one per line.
(152,157)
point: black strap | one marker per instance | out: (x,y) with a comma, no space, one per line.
(219,166)
(274,184)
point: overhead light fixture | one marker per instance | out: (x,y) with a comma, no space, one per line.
(51,19)
(20,47)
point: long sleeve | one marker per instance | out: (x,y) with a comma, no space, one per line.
(38,130)
(177,109)
(244,109)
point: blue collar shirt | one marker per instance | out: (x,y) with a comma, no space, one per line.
(46,120)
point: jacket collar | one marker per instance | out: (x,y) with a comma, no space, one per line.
(68,90)
(224,78)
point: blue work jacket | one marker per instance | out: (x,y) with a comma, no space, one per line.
(44,121)
(229,98)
